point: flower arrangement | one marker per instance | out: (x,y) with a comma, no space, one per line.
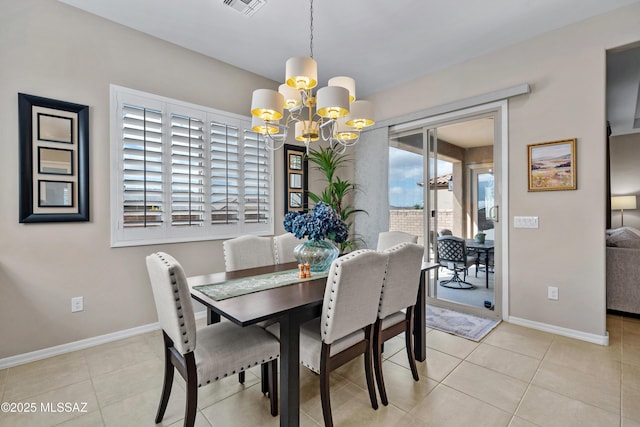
(321,223)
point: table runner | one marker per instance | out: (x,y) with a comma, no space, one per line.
(247,285)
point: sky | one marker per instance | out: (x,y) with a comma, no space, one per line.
(405,171)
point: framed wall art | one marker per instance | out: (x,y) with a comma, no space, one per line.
(295,178)
(54,160)
(552,165)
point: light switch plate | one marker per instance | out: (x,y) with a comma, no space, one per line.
(525,222)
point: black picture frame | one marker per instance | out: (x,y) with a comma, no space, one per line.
(296,178)
(30,110)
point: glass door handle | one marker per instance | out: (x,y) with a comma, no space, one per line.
(494,213)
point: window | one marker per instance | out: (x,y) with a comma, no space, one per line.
(182,172)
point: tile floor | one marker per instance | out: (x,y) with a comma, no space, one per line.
(515,377)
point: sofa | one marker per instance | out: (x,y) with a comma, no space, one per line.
(623,270)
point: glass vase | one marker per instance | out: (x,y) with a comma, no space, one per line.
(318,253)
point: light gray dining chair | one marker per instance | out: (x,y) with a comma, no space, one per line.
(388,239)
(344,331)
(397,304)
(245,252)
(283,246)
(207,354)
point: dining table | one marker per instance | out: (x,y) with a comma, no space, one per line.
(290,305)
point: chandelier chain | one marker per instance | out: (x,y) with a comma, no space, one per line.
(311,28)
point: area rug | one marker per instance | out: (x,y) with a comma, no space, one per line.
(464,325)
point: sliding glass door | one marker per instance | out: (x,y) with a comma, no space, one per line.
(457,180)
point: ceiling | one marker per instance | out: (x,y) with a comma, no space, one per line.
(380,43)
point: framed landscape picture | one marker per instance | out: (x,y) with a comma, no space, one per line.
(552,165)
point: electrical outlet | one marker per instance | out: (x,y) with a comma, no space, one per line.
(552,293)
(77,304)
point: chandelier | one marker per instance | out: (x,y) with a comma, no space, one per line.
(332,114)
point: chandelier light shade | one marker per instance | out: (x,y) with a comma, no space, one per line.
(344,132)
(332,114)
(361,115)
(264,127)
(345,82)
(307,130)
(301,73)
(291,96)
(333,102)
(267,104)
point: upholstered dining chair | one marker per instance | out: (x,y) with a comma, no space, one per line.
(248,252)
(453,255)
(283,246)
(388,239)
(344,331)
(397,303)
(207,354)
(245,252)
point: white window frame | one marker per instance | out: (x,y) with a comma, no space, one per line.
(166,233)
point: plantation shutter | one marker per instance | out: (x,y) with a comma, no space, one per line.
(225,174)
(143,203)
(187,171)
(256,179)
(183,172)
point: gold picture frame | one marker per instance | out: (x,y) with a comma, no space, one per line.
(552,166)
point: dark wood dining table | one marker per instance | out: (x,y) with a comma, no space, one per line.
(291,305)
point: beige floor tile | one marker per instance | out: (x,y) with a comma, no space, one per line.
(402,390)
(218,390)
(249,408)
(45,410)
(505,361)
(546,408)
(393,346)
(140,409)
(519,422)
(92,419)
(631,392)
(520,340)
(436,366)
(357,411)
(630,423)
(341,390)
(450,344)
(589,358)
(487,385)
(3,380)
(129,381)
(156,343)
(631,324)
(600,391)
(113,357)
(37,377)
(201,421)
(353,371)
(631,347)
(445,406)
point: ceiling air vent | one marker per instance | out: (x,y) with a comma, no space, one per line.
(245,7)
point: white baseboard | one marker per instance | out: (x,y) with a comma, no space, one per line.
(565,332)
(32,356)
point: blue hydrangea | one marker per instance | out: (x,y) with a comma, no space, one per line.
(321,223)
